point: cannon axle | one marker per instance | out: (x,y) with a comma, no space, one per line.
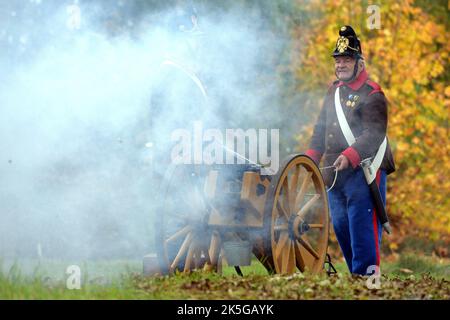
(297,227)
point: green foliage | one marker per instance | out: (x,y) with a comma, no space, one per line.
(420,265)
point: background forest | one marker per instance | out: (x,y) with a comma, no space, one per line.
(408,55)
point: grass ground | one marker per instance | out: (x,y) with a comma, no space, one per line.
(408,277)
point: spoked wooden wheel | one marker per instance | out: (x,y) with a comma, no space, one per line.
(183,240)
(296,218)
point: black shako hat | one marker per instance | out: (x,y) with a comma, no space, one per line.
(348,43)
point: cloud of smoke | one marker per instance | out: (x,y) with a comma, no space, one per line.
(81,133)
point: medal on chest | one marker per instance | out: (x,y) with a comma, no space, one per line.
(352,100)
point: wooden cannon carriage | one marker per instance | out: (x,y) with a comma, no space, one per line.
(284,216)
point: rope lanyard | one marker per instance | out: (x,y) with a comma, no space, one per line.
(335,176)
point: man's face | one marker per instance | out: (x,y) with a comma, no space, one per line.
(344,67)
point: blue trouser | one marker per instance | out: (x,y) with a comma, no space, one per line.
(357,228)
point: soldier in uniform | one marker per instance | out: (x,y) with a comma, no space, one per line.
(364,105)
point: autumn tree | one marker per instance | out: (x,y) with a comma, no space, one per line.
(409,57)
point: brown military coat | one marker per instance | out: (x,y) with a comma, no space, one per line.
(365,108)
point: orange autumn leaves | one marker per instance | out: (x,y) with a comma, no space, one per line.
(409,57)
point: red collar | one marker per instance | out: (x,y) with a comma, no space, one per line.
(357,83)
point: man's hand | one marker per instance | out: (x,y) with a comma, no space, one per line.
(341,163)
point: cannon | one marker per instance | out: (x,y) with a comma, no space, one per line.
(283,218)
